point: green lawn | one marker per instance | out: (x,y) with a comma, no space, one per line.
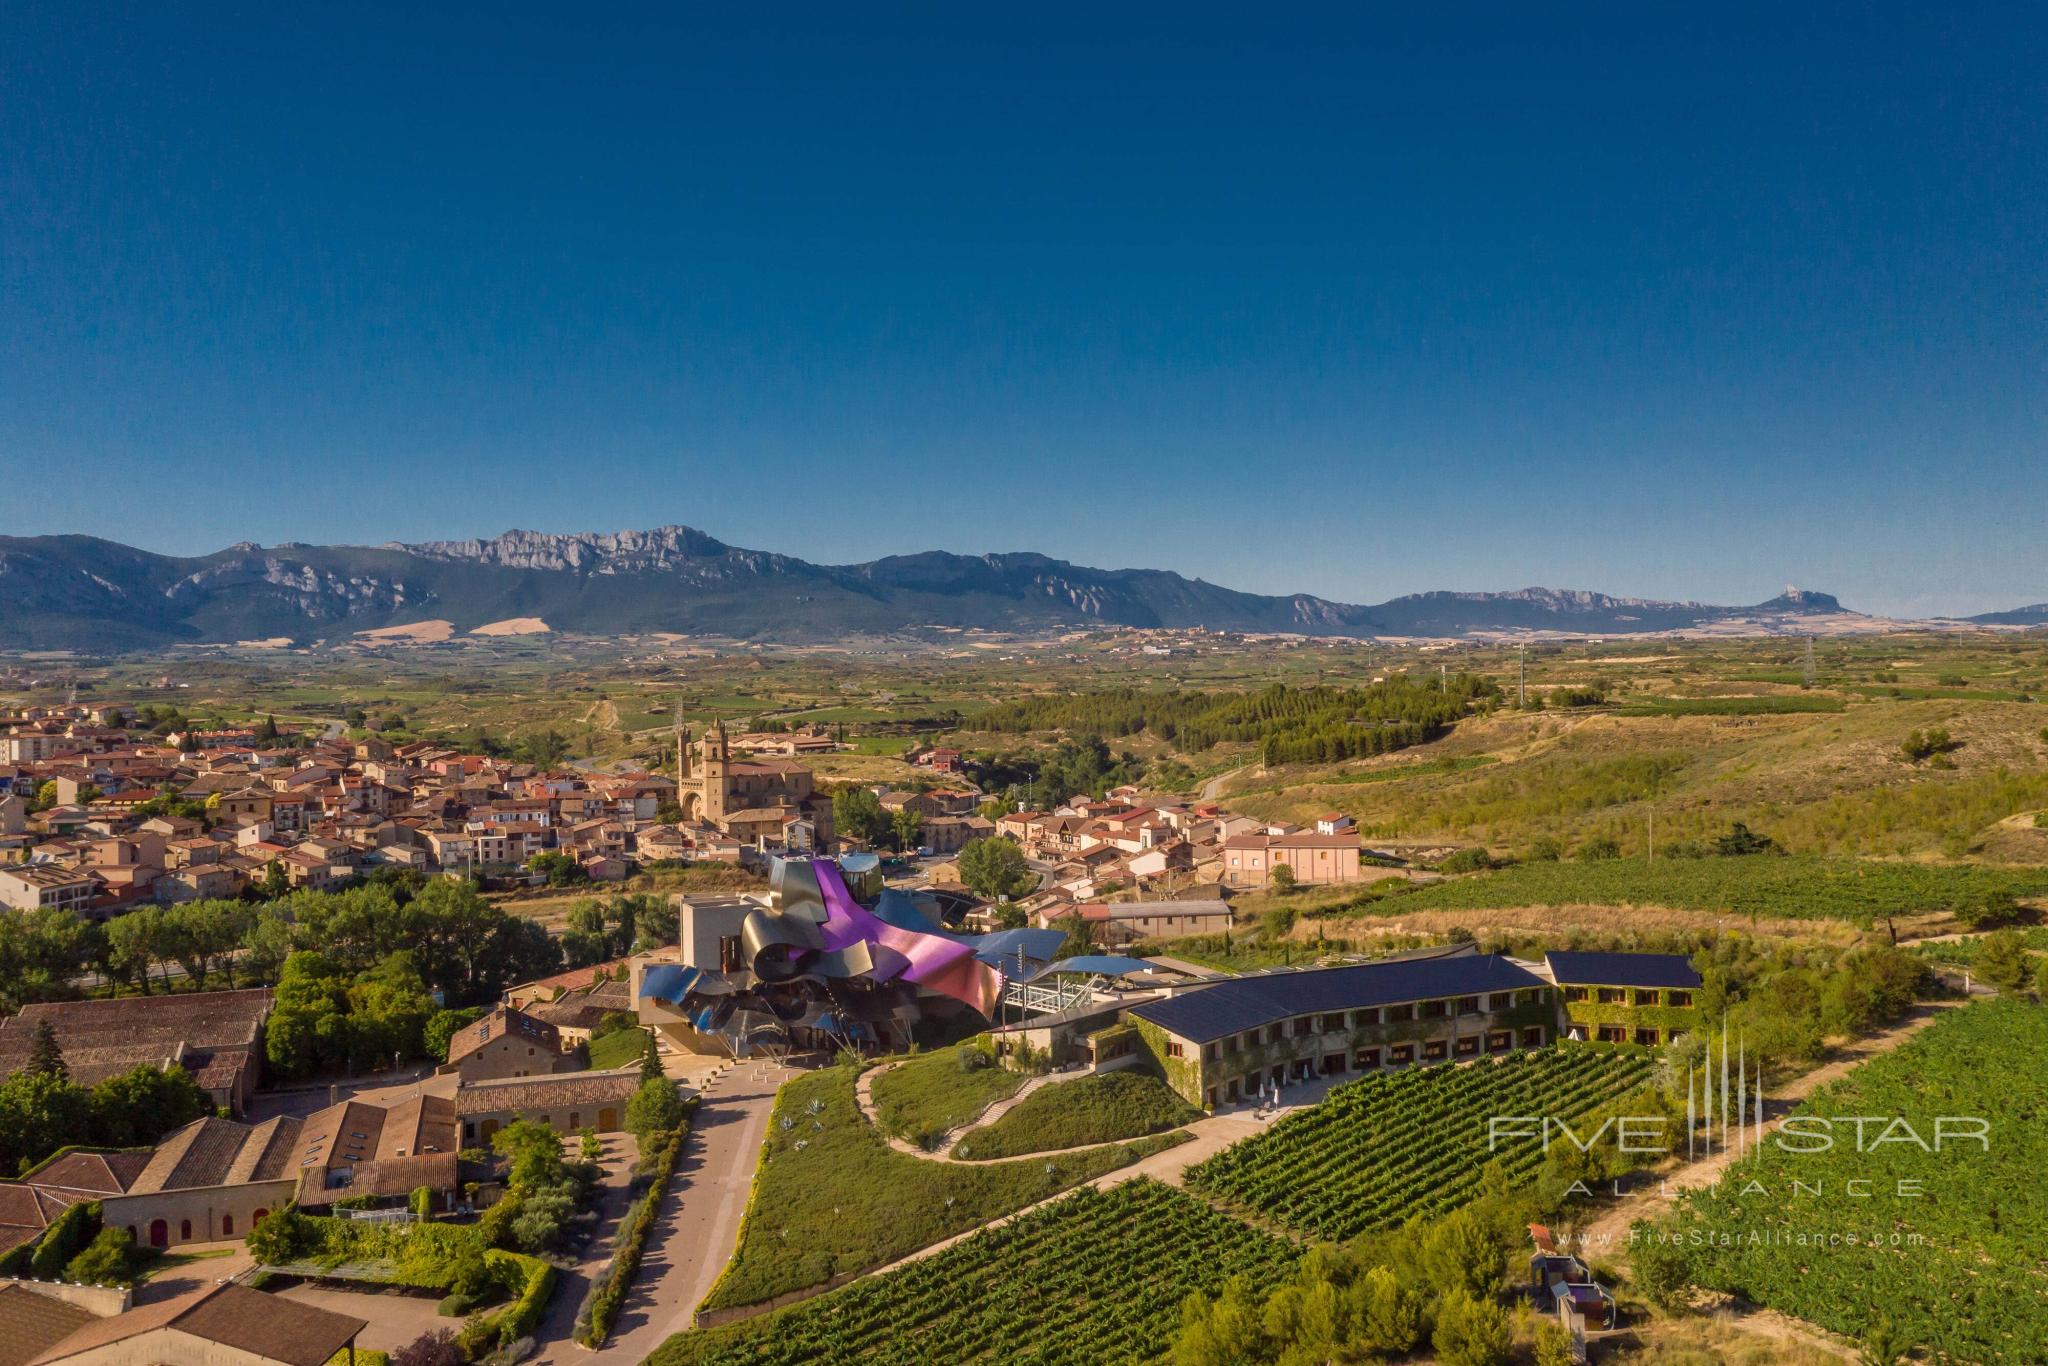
(933,1092)
(832,1196)
(621,1049)
(1068,1114)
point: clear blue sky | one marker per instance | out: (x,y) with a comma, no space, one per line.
(1682,301)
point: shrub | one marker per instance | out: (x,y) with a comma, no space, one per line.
(67,1236)
(1466,861)
(435,1347)
(107,1260)
(600,1307)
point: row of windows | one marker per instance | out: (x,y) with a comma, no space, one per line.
(1649,1038)
(1376,1058)
(1337,1022)
(1622,996)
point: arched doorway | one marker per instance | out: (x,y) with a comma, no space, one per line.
(490,1127)
(159,1233)
(692,806)
(258,1217)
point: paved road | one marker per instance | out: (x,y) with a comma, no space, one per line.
(699,1225)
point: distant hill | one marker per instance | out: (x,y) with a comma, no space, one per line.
(83,592)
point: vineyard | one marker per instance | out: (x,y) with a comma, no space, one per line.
(1395,1145)
(1766,885)
(1094,1278)
(1957,1269)
(832,1196)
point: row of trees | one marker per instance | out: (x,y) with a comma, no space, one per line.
(858,814)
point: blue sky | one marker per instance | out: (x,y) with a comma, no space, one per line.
(1357,300)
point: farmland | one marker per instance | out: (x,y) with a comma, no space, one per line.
(1759,885)
(832,1196)
(1094,1278)
(1954,1263)
(1392,1146)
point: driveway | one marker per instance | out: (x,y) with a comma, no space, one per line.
(698,1226)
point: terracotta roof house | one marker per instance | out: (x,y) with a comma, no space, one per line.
(217,1036)
(585,1100)
(509,1043)
(220,1325)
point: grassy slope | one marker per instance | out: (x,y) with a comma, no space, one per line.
(932,1092)
(1827,782)
(622,1049)
(1095,1109)
(832,1196)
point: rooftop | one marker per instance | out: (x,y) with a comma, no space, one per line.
(1235,1004)
(1623,970)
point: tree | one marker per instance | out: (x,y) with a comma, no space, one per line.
(1459,1254)
(435,1347)
(857,814)
(45,1058)
(1553,1345)
(650,1060)
(2041,980)
(143,1104)
(442,1026)
(996,868)
(2003,961)
(1390,1317)
(1741,840)
(1471,1332)
(40,1113)
(279,1238)
(905,826)
(655,1108)
(1658,1264)
(1282,878)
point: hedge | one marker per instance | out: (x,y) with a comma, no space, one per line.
(600,1307)
(65,1238)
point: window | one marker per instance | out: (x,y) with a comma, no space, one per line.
(1173,1049)
(1681,998)
(1613,996)
(1362,1018)
(1468,1005)
(1647,1037)
(1575,993)
(184,1229)
(1332,1023)
(1436,1050)
(1646,998)
(1467,1046)
(1434,1010)
(1211,1052)
(227,1226)
(1532,1036)
(1368,1058)
(1499,1041)
(1303,1025)
(1401,1053)
(1613,1034)
(1394,1014)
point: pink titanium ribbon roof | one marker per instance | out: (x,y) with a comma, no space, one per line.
(932,961)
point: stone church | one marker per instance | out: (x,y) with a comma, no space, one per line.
(749,800)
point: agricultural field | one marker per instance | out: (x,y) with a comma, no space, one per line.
(1759,885)
(1392,1146)
(1953,1263)
(832,1196)
(1103,1108)
(1092,1280)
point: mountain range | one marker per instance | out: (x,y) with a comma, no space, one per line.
(81,592)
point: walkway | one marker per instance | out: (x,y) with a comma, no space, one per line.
(699,1225)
